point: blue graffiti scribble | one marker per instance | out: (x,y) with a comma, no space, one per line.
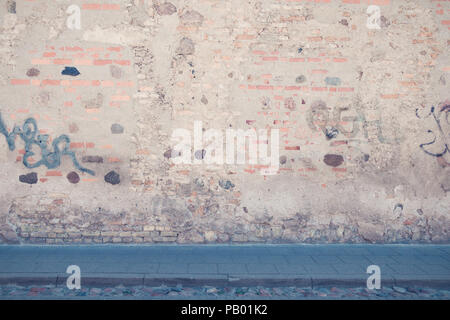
(50,159)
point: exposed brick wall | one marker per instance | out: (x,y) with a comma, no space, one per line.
(362,115)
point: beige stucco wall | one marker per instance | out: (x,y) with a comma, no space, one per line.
(147,68)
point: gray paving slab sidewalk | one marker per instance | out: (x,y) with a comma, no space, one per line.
(227,265)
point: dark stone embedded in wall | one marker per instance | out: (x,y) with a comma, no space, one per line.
(212,209)
(30,178)
(73,128)
(289,104)
(186,47)
(33,72)
(283,159)
(333,160)
(70,71)
(331,133)
(200,154)
(172,154)
(168,154)
(112,177)
(199,182)
(165,9)
(191,18)
(333,81)
(204,100)
(115,71)
(116,128)
(73,177)
(300,79)
(11,6)
(94,103)
(384,22)
(92,159)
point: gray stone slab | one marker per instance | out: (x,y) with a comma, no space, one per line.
(232,268)
(345,268)
(434,269)
(439,260)
(326,259)
(355,259)
(203,268)
(349,280)
(377,260)
(242,258)
(272,259)
(142,267)
(382,250)
(160,258)
(270,280)
(300,259)
(430,281)
(18,266)
(320,269)
(264,268)
(185,279)
(26,279)
(105,279)
(289,268)
(173,268)
(268,264)
(410,259)
(281,250)
(406,269)
(51,266)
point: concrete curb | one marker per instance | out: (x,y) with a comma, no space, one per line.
(190,280)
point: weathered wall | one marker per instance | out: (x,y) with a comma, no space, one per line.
(362,114)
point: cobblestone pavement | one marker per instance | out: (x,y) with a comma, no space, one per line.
(208,292)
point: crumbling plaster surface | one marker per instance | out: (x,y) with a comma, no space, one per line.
(362,114)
